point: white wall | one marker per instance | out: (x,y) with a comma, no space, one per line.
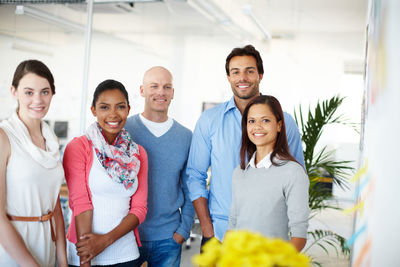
(301,70)
(376,243)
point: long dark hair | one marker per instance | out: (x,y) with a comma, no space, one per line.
(281,148)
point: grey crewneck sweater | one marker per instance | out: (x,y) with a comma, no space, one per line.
(273,201)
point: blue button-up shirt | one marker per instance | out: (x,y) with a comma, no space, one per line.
(216,142)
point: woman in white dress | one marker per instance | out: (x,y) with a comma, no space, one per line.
(31,220)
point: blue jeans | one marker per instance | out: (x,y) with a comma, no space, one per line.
(122,264)
(160,253)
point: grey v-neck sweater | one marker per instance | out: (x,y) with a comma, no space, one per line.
(273,201)
(169,208)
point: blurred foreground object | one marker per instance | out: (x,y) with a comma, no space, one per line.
(244,248)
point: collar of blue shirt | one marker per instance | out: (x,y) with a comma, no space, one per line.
(231,105)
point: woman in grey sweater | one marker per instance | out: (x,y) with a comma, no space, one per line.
(269,191)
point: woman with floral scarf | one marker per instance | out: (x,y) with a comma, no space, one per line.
(106,174)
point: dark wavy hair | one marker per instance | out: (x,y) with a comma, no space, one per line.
(109,85)
(33,66)
(281,148)
(248,50)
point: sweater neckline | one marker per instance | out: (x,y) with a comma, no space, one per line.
(150,133)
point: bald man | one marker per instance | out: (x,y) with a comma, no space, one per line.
(169,210)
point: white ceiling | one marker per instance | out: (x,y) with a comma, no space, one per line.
(318,39)
(282,18)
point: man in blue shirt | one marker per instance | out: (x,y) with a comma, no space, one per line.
(170,212)
(216,142)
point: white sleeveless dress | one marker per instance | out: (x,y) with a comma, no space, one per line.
(33,181)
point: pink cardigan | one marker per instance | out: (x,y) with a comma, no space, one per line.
(77,162)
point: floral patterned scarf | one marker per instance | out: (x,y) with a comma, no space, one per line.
(121,159)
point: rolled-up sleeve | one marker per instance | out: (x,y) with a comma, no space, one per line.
(75,167)
(138,205)
(199,160)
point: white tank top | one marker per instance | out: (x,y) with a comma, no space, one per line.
(111,203)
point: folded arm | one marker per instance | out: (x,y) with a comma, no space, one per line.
(90,244)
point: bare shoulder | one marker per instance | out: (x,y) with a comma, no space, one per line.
(4,144)
(4,156)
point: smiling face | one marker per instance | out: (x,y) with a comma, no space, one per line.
(244,77)
(157,90)
(33,95)
(262,127)
(111,110)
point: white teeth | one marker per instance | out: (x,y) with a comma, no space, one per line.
(243,86)
(113,123)
(258,135)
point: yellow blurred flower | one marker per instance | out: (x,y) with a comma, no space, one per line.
(247,249)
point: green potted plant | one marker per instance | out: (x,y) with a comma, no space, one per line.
(322,164)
